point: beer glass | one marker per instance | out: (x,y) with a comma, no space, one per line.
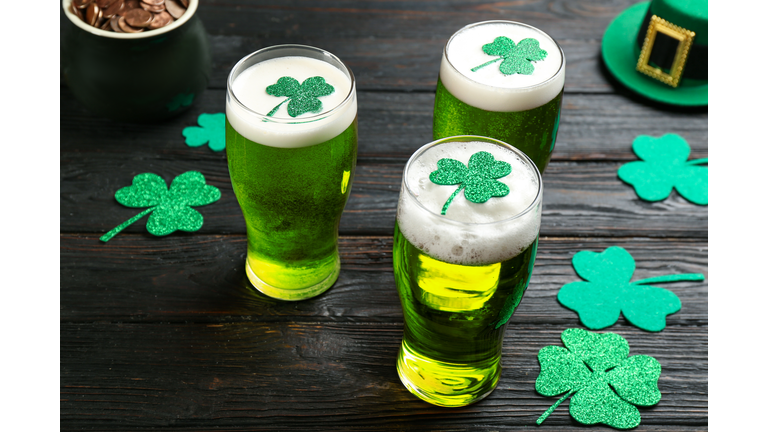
(461,273)
(291,139)
(503,80)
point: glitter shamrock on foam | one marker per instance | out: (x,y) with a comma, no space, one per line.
(476,178)
(517,58)
(171,209)
(211,131)
(605,383)
(302,98)
(664,166)
(608,292)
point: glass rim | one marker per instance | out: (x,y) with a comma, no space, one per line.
(130,36)
(281,120)
(469,138)
(521,89)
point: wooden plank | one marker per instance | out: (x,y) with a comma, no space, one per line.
(201,278)
(292,376)
(400,48)
(398,45)
(579,199)
(392,62)
(392,125)
(100,156)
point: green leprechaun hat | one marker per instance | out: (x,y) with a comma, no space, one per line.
(659,50)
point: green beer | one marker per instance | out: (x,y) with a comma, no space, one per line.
(488,86)
(291,174)
(461,275)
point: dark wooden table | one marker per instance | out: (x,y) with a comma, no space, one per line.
(165,333)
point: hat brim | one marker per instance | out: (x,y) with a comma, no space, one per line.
(620,54)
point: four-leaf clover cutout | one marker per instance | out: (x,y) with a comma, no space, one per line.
(517,58)
(171,209)
(302,98)
(476,178)
(664,166)
(605,383)
(211,131)
(608,292)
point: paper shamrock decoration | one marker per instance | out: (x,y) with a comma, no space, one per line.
(605,383)
(517,58)
(664,166)
(608,292)
(180,100)
(171,209)
(211,131)
(303,97)
(477,178)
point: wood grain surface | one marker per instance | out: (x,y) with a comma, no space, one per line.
(165,333)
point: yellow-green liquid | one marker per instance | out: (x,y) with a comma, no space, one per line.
(455,318)
(292,200)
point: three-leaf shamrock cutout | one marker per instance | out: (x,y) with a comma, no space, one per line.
(605,383)
(180,100)
(302,98)
(608,292)
(664,166)
(476,178)
(171,209)
(211,131)
(517,58)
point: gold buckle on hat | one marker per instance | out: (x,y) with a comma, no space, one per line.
(685,38)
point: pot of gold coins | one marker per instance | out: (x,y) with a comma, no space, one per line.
(135,60)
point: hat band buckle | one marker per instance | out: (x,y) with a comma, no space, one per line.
(684,40)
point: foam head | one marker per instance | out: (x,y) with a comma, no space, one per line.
(249,106)
(469,233)
(487,87)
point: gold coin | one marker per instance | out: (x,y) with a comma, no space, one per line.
(153,2)
(151,8)
(92,14)
(113,22)
(131,4)
(77,12)
(138,18)
(124,26)
(161,20)
(81,4)
(103,3)
(174,8)
(114,8)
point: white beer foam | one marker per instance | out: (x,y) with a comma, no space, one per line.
(307,129)
(469,233)
(488,88)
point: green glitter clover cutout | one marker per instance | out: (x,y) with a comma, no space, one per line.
(302,98)
(517,58)
(211,131)
(477,178)
(171,209)
(608,292)
(605,383)
(664,166)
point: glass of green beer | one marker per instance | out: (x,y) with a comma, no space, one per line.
(461,267)
(291,140)
(504,80)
